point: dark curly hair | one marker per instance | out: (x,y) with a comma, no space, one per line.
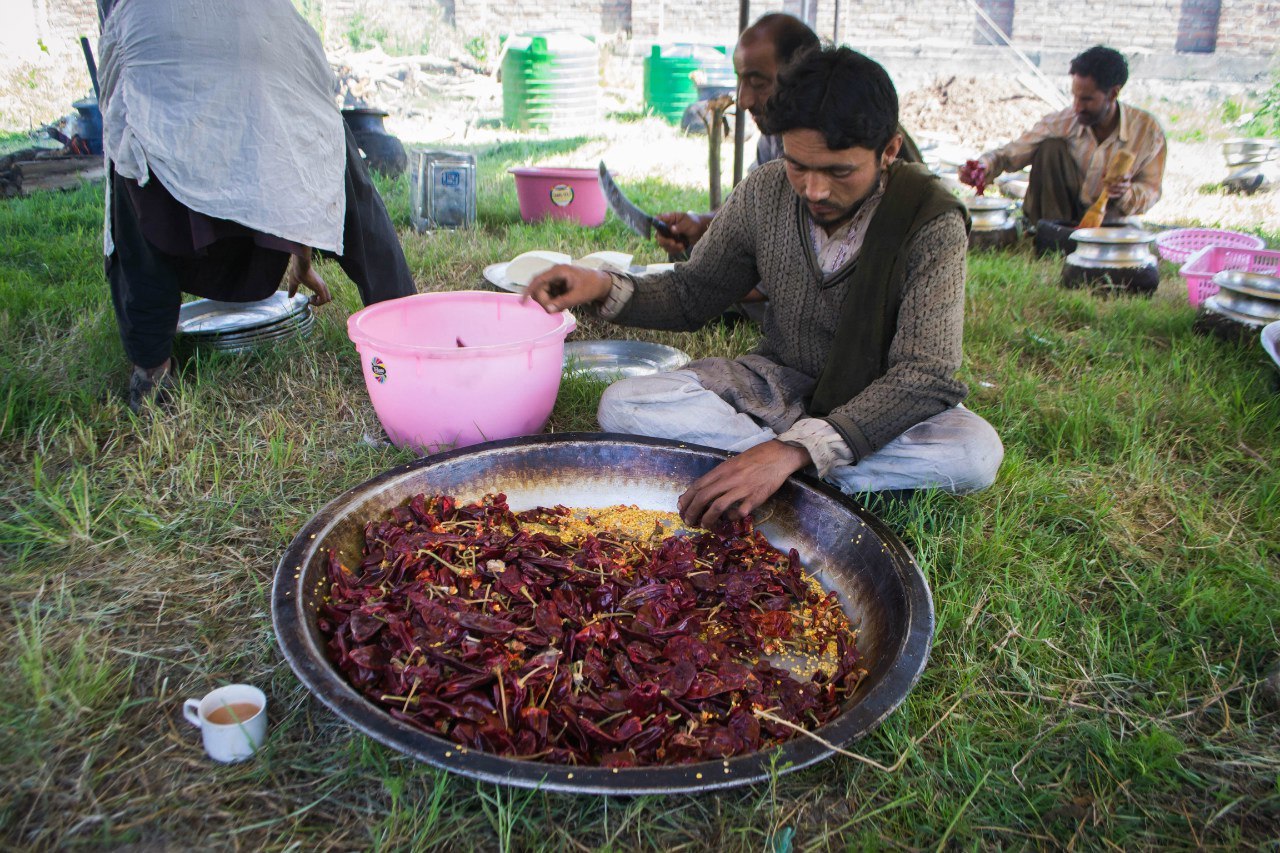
(1105,65)
(840,93)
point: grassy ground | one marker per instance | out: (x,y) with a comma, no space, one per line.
(1106,611)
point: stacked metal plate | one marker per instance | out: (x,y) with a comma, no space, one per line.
(242,326)
(1247,297)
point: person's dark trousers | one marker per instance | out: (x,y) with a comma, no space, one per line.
(147,284)
(371,251)
(1053,191)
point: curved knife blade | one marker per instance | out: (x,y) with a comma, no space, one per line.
(634,218)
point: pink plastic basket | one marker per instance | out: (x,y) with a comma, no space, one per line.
(1177,246)
(1204,264)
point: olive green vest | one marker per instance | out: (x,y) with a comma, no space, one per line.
(913,198)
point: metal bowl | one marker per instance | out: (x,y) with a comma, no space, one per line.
(1270,338)
(1239,152)
(847,548)
(1112,248)
(990,213)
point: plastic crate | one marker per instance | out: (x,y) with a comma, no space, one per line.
(1211,260)
(1177,246)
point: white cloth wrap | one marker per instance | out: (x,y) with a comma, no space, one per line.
(231,106)
(955,451)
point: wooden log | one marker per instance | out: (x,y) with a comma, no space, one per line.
(57,172)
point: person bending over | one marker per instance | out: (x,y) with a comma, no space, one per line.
(229,163)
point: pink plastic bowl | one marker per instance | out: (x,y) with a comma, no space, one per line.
(559,194)
(447,370)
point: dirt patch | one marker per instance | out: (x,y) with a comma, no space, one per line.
(969,111)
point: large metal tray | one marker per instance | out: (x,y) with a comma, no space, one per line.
(849,549)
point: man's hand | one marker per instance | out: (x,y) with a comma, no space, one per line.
(687,229)
(300,272)
(1117,188)
(974,174)
(737,487)
(566,286)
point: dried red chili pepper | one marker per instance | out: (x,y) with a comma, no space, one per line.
(468,622)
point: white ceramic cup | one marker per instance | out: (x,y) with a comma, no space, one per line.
(230,741)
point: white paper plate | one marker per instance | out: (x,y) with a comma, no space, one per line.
(496,274)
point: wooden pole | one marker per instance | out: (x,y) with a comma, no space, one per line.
(739,130)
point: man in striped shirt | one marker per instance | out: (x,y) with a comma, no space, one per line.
(1068,151)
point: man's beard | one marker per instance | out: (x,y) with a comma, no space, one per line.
(839,217)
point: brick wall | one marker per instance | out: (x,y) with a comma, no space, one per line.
(1127,25)
(1249,26)
(1245,27)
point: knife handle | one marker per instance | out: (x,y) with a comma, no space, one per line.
(665,230)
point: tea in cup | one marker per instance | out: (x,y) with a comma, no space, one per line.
(232,721)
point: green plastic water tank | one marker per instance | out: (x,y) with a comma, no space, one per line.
(668,86)
(551,81)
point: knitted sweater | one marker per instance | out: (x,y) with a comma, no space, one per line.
(762,235)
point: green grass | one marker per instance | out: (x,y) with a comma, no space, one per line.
(1105,611)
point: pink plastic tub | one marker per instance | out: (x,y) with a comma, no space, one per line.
(1178,245)
(447,370)
(572,194)
(1211,260)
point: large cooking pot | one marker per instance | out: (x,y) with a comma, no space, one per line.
(1112,260)
(993,222)
(383,152)
(848,549)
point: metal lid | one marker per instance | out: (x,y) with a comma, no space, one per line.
(1125,235)
(984,202)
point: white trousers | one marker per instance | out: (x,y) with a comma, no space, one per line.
(956,450)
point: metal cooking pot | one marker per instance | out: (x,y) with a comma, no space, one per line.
(994,224)
(1249,293)
(847,548)
(1240,152)
(990,213)
(1113,259)
(1112,248)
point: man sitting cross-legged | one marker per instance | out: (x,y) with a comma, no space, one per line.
(864,262)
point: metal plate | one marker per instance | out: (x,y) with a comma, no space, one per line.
(496,274)
(1215,305)
(210,317)
(610,360)
(243,344)
(274,330)
(847,548)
